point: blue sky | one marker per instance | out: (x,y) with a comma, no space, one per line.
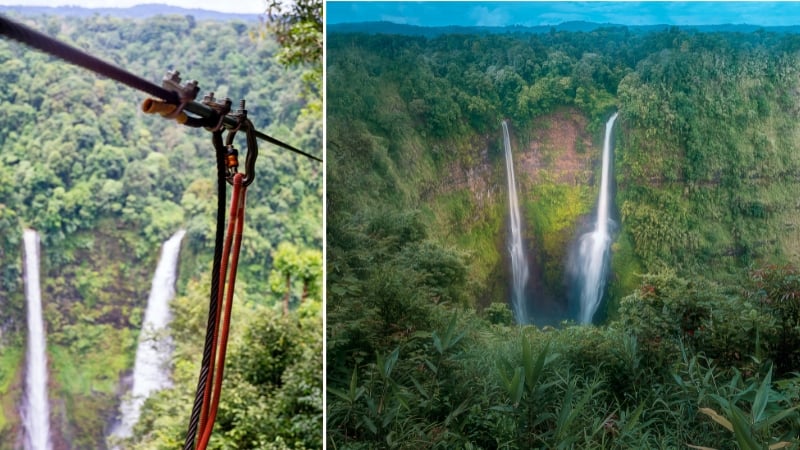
(553,13)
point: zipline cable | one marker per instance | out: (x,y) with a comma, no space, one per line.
(213,315)
(209,386)
(223,269)
(47,44)
(236,228)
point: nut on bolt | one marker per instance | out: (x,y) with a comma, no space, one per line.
(174,75)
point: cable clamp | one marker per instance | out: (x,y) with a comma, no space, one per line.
(187,92)
(222,109)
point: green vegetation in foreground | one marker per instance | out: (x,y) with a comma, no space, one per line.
(272,393)
(681,352)
(701,348)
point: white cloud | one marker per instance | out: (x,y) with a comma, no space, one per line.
(400,19)
(485,17)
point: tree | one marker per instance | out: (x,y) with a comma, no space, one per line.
(286,263)
(311,273)
(298,29)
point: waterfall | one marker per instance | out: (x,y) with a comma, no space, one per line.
(36,410)
(594,246)
(151,368)
(519,264)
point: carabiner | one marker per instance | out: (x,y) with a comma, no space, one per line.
(252,152)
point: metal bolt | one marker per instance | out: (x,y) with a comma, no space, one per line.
(191,86)
(209,98)
(174,75)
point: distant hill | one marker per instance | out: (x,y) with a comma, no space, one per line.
(577,26)
(134,12)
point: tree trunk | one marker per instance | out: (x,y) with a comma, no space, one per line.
(287,294)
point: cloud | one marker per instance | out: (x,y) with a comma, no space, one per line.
(555,18)
(484,17)
(406,20)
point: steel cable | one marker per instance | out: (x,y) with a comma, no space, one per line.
(47,44)
(210,344)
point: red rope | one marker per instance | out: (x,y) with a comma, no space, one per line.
(224,298)
(220,295)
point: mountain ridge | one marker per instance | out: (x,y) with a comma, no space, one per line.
(386,27)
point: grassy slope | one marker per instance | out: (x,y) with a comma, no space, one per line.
(10,375)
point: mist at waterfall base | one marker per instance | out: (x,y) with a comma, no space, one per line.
(588,259)
(151,367)
(588,263)
(36,409)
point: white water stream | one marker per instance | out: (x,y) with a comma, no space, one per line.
(519,264)
(151,368)
(594,245)
(36,409)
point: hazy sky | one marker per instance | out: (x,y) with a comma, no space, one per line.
(553,13)
(231,6)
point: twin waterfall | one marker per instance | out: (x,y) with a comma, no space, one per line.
(36,408)
(151,368)
(519,263)
(593,256)
(589,267)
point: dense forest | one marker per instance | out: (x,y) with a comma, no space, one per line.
(105,185)
(701,330)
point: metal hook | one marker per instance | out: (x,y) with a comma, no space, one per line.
(252,151)
(252,154)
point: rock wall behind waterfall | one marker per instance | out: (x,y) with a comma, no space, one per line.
(556,160)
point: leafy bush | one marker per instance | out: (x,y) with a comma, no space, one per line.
(776,291)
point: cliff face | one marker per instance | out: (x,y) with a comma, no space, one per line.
(555,160)
(476,175)
(557,173)
(559,150)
